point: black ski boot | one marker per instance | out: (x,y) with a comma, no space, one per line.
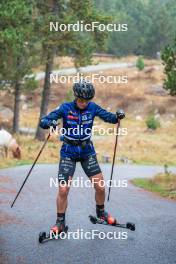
(58,227)
(105,216)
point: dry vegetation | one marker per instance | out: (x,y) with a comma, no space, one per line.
(142,94)
(163,184)
(140,145)
(67,62)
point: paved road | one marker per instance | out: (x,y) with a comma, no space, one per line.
(154,240)
(89,68)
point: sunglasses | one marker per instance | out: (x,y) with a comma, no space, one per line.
(83,100)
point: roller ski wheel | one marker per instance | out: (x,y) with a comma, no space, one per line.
(96,220)
(44,237)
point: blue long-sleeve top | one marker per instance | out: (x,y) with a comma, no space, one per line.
(74,117)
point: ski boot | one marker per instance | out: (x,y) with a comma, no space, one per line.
(55,232)
(106,217)
(58,227)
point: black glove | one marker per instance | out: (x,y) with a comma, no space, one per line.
(53,123)
(120,114)
(45,124)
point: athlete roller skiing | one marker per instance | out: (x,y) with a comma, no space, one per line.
(79,147)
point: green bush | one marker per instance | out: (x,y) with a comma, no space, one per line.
(140,63)
(152,122)
(169,61)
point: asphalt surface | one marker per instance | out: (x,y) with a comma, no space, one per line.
(89,68)
(154,240)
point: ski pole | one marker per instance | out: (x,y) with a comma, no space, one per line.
(115,147)
(31,169)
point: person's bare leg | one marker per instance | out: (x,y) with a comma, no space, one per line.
(62,197)
(98,182)
(99,186)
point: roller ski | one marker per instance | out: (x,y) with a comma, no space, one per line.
(107,219)
(58,231)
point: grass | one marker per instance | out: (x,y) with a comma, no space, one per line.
(163,183)
(13,162)
(30,149)
(140,146)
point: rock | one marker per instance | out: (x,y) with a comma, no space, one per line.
(27,131)
(106,159)
(149,70)
(6,114)
(23,97)
(125,160)
(24,107)
(157,116)
(158,90)
(172,116)
(158,55)
(139,118)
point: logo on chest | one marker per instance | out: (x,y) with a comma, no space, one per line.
(86,116)
(72,116)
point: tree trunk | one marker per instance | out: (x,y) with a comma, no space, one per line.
(16,108)
(40,134)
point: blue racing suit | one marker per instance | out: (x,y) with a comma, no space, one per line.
(77,125)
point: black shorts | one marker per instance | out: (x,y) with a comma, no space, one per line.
(67,167)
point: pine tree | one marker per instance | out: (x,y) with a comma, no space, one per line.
(78,44)
(16,48)
(169,61)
